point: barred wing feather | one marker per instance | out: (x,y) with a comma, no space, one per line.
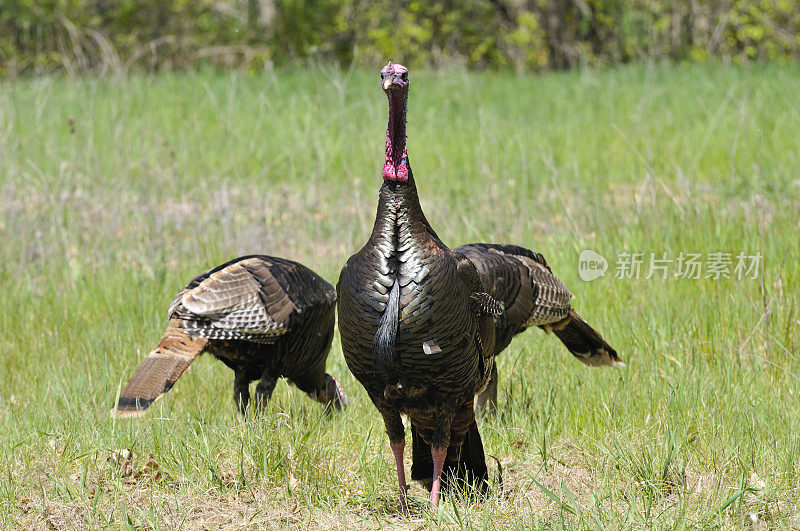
(240,301)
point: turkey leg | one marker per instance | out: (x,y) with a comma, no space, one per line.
(241,391)
(439,444)
(438,455)
(397,450)
(266,385)
(397,442)
(486,404)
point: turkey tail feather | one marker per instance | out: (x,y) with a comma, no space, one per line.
(159,371)
(468,470)
(585,343)
(383,344)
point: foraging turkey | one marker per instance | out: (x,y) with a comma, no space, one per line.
(417,331)
(264,317)
(532,296)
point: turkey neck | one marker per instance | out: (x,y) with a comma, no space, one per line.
(396,160)
(400,222)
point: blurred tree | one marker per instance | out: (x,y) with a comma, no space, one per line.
(113,35)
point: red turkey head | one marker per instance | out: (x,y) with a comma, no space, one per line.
(394,82)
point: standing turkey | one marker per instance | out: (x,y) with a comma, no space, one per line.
(532,296)
(417,331)
(264,317)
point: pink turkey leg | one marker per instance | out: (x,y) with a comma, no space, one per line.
(439,456)
(397,450)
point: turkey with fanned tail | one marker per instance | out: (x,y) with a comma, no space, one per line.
(265,317)
(532,296)
(417,329)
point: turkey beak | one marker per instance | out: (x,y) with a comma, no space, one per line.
(388,82)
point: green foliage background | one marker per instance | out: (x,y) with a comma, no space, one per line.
(103,35)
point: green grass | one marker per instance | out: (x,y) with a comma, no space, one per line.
(166,176)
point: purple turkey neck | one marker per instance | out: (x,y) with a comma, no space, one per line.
(395,166)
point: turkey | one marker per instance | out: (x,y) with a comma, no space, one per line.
(264,317)
(416,329)
(532,296)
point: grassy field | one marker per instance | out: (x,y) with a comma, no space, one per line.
(115,192)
